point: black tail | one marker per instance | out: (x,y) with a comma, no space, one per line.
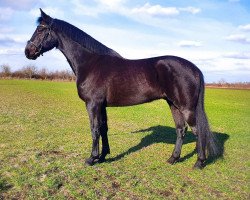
(202,123)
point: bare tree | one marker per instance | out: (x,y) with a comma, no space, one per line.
(29,71)
(5,70)
(43,73)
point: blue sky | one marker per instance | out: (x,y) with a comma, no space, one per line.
(213,34)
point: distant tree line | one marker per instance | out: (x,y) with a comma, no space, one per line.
(223,84)
(32,72)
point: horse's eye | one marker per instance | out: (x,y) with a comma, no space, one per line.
(39,29)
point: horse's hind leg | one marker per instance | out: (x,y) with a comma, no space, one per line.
(104,134)
(190,117)
(181,129)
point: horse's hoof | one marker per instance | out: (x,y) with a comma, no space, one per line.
(199,165)
(101,159)
(89,162)
(172,160)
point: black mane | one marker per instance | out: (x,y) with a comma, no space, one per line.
(82,38)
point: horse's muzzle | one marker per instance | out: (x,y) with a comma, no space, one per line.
(31,53)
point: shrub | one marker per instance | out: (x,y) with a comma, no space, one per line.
(29,71)
(5,71)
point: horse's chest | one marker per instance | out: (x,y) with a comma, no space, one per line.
(89,91)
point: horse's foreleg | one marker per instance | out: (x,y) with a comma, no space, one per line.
(181,129)
(95,117)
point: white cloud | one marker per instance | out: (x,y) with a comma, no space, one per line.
(35,12)
(135,13)
(148,14)
(101,6)
(238,38)
(237,55)
(7,41)
(111,3)
(20,4)
(12,41)
(245,27)
(5,30)
(6,13)
(53,12)
(82,9)
(12,51)
(191,10)
(156,10)
(189,43)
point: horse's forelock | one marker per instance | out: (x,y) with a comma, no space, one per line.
(39,20)
(47,20)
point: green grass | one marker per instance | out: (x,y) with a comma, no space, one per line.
(45,137)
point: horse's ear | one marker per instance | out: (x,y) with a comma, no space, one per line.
(45,17)
(43,14)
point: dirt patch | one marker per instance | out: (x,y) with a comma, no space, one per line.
(115,185)
(55,153)
(165,193)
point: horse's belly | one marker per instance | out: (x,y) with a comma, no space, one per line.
(131,96)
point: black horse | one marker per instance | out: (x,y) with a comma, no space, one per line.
(104,78)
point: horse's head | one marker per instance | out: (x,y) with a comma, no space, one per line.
(43,39)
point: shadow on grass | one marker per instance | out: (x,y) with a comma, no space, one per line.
(4,186)
(164,134)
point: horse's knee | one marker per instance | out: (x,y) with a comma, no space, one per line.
(96,132)
(181,132)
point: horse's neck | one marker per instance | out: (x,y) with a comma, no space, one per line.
(75,54)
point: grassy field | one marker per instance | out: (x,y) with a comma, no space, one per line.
(45,137)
